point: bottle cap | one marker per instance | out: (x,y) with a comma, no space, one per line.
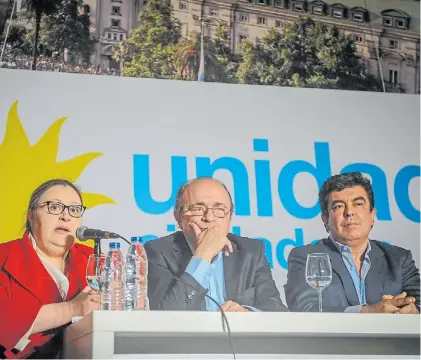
(115,245)
(135,239)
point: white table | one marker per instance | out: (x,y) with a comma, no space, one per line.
(176,335)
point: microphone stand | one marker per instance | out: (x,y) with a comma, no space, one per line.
(97,252)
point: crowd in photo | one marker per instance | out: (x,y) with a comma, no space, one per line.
(16,59)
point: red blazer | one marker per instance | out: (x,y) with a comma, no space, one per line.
(25,286)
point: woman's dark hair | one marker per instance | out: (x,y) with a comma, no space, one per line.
(341,182)
(40,190)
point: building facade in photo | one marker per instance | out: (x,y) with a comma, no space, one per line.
(388,30)
(111,22)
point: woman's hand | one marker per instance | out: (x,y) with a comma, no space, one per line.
(85,302)
(54,315)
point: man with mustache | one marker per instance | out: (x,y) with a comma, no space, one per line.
(205,259)
(368,276)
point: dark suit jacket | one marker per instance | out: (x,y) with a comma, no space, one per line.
(248,277)
(392,271)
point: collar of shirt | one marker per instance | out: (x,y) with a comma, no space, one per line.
(59,278)
(344,248)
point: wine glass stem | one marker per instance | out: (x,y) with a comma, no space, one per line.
(320,301)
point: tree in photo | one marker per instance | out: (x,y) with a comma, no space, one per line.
(67,31)
(37,9)
(339,61)
(217,57)
(150,50)
(227,61)
(304,54)
(16,36)
(262,64)
(286,58)
(299,54)
(6,7)
(187,56)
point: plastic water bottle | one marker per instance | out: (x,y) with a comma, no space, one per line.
(136,277)
(142,296)
(113,278)
(131,282)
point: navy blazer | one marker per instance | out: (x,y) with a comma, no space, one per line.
(392,271)
(248,277)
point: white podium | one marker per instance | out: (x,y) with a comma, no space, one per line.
(260,335)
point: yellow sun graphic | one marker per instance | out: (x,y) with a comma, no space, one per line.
(24,167)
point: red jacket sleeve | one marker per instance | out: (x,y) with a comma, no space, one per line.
(16,314)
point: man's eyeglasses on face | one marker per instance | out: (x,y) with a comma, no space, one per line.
(57,208)
(219,211)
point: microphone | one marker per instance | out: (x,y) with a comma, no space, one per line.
(223,316)
(83,233)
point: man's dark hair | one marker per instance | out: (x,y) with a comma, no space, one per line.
(341,182)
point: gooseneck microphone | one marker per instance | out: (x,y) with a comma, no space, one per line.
(83,233)
(223,316)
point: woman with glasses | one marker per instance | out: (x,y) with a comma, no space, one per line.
(42,275)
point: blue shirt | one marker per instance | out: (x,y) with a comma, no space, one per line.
(211,277)
(358,279)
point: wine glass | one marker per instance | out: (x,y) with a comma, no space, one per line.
(94,272)
(318,273)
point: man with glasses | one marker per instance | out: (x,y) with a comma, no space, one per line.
(203,263)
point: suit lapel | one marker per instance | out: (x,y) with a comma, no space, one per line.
(181,252)
(376,275)
(340,269)
(24,265)
(231,271)
(182,255)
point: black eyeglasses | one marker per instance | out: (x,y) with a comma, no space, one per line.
(57,208)
(219,211)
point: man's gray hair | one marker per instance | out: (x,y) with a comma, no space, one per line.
(179,197)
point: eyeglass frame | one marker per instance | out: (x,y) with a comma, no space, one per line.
(64,208)
(226,209)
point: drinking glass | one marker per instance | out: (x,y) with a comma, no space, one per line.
(94,273)
(318,273)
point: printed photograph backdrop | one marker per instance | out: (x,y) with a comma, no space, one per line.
(129,144)
(336,44)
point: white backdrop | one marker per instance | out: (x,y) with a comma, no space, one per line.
(140,122)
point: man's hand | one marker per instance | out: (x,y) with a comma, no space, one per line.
(410,308)
(210,242)
(232,306)
(390,304)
